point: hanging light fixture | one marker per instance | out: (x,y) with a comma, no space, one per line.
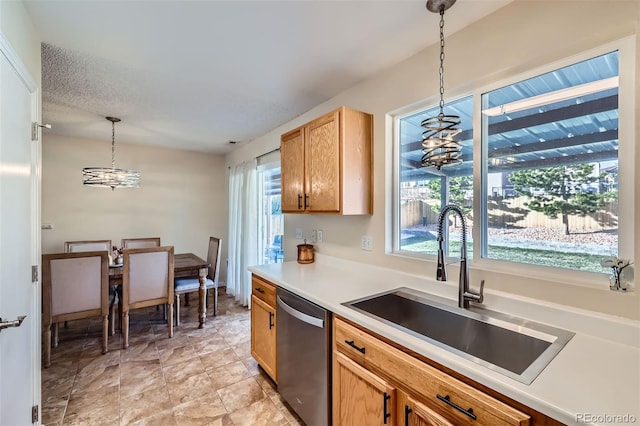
(110,177)
(439,149)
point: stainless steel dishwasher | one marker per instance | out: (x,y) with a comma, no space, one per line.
(303,335)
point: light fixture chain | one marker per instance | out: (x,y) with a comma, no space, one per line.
(441,60)
(113,145)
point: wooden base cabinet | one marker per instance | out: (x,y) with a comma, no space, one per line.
(378,384)
(326,165)
(263,325)
(415,413)
(359,396)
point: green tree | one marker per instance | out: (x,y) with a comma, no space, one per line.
(558,191)
(458,187)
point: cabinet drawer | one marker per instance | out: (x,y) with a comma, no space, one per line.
(263,290)
(453,399)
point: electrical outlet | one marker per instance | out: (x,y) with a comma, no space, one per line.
(319,235)
(299,233)
(314,235)
(367,243)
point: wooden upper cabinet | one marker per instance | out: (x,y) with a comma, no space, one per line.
(322,164)
(326,165)
(292,170)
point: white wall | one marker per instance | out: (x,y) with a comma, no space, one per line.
(16,25)
(521,36)
(182,198)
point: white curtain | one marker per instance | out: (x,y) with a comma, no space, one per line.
(243,229)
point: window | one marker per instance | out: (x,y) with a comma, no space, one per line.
(424,191)
(552,166)
(271,221)
(547,186)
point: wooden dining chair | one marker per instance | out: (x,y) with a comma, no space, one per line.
(188,285)
(89,245)
(74,286)
(93,245)
(147,280)
(140,242)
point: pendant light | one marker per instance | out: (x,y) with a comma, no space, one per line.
(110,177)
(439,149)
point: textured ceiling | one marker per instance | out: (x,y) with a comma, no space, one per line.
(197,74)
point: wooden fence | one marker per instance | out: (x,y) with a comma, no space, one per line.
(512,212)
(412,213)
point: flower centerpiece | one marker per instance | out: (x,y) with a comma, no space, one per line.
(616,265)
(117,255)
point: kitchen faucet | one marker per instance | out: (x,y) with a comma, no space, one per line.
(465,294)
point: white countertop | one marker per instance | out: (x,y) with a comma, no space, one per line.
(594,379)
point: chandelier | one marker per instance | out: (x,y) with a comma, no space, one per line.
(110,177)
(439,149)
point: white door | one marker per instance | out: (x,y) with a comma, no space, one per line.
(19,241)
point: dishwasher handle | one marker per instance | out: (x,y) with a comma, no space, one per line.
(316,322)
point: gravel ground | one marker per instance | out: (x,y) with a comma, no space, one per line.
(604,237)
(603,242)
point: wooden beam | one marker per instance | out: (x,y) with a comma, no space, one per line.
(572,111)
(423,174)
(556,143)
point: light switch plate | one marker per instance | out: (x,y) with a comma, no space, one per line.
(319,235)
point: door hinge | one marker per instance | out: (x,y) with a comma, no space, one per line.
(34,129)
(34,273)
(34,414)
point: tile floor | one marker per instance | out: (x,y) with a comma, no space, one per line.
(199,377)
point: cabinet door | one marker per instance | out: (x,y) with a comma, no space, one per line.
(263,335)
(292,171)
(359,396)
(322,167)
(415,413)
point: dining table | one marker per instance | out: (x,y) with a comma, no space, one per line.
(185,265)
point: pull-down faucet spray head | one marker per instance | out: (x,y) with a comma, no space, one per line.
(441,271)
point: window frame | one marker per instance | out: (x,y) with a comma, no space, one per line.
(626,136)
(266,164)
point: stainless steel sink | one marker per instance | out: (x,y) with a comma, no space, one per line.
(515,347)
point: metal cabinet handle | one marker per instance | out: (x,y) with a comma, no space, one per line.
(299,201)
(447,400)
(407,411)
(271,324)
(14,323)
(306,201)
(354,346)
(385,413)
(259,290)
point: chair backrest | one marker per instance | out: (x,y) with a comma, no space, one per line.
(140,242)
(213,257)
(94,245)
(75,285)
(147,276)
